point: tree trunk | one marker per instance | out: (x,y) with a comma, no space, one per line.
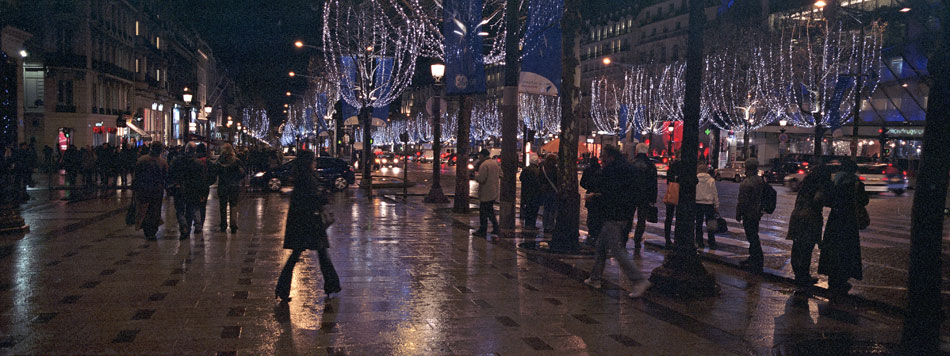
(745,143)
(509,118)
(435,195)
(819,135)
(565,234)
(682,272)
(921,335)
(716,147)
(366,121)
(461,154)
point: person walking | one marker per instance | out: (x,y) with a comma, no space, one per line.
(645,191)
(201,157)
(47,159)
(530,195)
(749,212)
(595,209)
(618,195)
(804,226)
(707,204)
(88,167)
(305,229)
(840,248)
(488,177)
(229,171)
(671,199)
(188,181)
(549,192)
(148,185)
(72,163)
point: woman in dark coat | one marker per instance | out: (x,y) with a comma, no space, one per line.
(841,249)
(305,229)
(804,226)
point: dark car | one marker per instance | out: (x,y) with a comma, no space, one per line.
(777,173)
(335,173)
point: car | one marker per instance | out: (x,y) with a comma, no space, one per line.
(880,178)
(734,171)
(779,171)
(335,173)
(387,159)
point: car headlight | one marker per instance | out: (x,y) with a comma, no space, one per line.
(384,160)
(259,174)
(396,161)
(471,166)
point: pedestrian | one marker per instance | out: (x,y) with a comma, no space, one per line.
(47,159)
(645,191)
(749,212)
(618,194)
(806,221)
(595,209)
(105,161)
(188,182)
(840,248)
(201,157)
(148,185)
(305,228)
(707,204)
(671,199)
(72,163)
(127,158)
(229,171)
(530,195)
(549,192)
(88,167)
(487,176)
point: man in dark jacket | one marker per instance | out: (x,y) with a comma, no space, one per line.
(618,193)
(201,157)
(72,163)
(645,191)
(149,185)
(230,172)
(595,210)
(549,199)
(530,196)
(749,211)
(188,180)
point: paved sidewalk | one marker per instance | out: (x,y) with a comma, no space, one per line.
(414,283)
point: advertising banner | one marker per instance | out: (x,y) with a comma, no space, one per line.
(464,62)
(541,57)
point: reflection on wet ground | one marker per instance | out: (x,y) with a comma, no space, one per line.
(414,283)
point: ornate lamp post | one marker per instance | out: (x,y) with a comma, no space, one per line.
(435,195)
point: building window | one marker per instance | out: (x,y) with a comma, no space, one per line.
(136,65)
(158,75)
(64,92)
(158,42)
(136,28)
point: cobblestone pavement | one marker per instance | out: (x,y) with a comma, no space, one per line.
(414,283)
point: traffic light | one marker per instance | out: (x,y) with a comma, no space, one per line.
(882,133)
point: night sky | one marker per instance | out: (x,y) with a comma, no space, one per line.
(254,40)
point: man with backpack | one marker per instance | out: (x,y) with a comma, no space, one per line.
(755,197)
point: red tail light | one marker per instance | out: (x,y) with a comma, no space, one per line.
(801,171)
(862,178)
(883,172)
(805,164)
(905,173)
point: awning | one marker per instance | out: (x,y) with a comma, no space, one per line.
(355,121)
(138,130)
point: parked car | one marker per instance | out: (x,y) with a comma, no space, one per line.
(387,159)
(335,173)
(779,171)
(879,178)
(734,171)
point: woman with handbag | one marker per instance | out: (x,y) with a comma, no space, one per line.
(306,227)
(841,248)
(804,226)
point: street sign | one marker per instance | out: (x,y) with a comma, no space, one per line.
(783,138)
(430,105)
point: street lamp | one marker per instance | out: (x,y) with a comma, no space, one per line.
(820,4)
(208,109)
(671,128)
(288,93)
(435,193)
(187,96)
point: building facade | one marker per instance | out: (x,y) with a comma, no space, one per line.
(98,65)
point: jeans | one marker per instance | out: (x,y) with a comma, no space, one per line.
(331,282)
(486,213)
(530,213)
(668,224)
(609,243)
(641,225)
(751,227)
(187,214)
(801,258)
(549,217)
(704,212)
(225,200)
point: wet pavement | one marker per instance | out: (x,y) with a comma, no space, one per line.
(414,283)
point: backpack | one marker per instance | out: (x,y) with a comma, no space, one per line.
(769,198)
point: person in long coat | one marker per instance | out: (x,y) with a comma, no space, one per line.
(148,184)
(804,226)
(305,229)
(840,248)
